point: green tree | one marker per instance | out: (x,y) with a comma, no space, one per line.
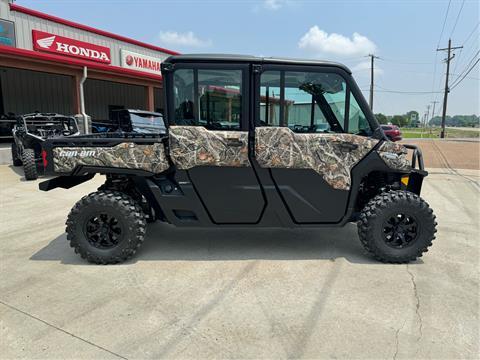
(381,118)
(400,120)
(457,120)
(413,118)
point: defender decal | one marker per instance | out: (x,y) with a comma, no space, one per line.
(192,146)
(126,155)
(330,155)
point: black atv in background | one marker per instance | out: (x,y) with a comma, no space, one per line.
(132,121)
(30,131)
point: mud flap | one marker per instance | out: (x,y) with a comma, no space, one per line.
(415,181)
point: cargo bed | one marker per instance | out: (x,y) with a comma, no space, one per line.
(105,152)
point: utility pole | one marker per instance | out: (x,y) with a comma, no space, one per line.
(428,113)
(372,57)
(445,96)
(433,112)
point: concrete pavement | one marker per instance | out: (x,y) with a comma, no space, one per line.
(237,293)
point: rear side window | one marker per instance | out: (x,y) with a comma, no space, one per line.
(209,98)
(306,102)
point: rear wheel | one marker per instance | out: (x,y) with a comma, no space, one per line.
(397,227)
(29,164)
(106,227)
(15,158)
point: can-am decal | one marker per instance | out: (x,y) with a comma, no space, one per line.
(43,41)
(76,153)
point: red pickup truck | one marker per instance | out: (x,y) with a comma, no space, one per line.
(392,132)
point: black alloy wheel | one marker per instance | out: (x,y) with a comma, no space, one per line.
(400,231)
(103,231)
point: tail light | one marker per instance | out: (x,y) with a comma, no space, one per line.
(44,159)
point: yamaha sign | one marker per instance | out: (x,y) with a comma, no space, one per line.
(60,45)
(139,62)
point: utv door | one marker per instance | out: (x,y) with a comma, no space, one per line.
(209,140)
(300,136)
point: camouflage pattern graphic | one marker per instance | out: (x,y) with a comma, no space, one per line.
(330,155)
(126,155)
(394,155)
(192,146)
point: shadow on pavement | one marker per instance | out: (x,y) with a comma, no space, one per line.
(19,171)
(167,243)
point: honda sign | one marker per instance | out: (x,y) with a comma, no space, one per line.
(43,41)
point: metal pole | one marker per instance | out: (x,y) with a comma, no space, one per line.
(428,114)
(82,102)
(433,112)
(372,71)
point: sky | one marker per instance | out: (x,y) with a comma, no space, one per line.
(404,34)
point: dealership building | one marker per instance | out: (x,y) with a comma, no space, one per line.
(46,60)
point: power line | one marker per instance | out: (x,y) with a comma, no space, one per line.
(468,65)
(438,45)
(463,44)
(456,20)
(408,92)
(444,22)
(406,62)
(470,35)
(459,81)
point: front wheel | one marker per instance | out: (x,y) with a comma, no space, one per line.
(15,158)
(106,227)
(397,227)
(29,164)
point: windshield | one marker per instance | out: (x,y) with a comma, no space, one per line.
(147,122)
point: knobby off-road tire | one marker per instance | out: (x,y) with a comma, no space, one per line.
(397,227)
(15,158)
(106,227)
(29,164)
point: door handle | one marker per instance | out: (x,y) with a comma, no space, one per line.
(345,146)
(234,142)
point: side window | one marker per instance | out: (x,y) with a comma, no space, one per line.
(357,121)
(209,98)
(270,99)
(314,102)
(308,102)
(184,99)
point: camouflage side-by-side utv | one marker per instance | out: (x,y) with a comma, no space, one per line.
(30,131)
(250,142)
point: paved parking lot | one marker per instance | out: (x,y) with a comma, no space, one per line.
(457,154)
(237,294)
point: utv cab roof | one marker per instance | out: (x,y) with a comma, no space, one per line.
(251,59)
